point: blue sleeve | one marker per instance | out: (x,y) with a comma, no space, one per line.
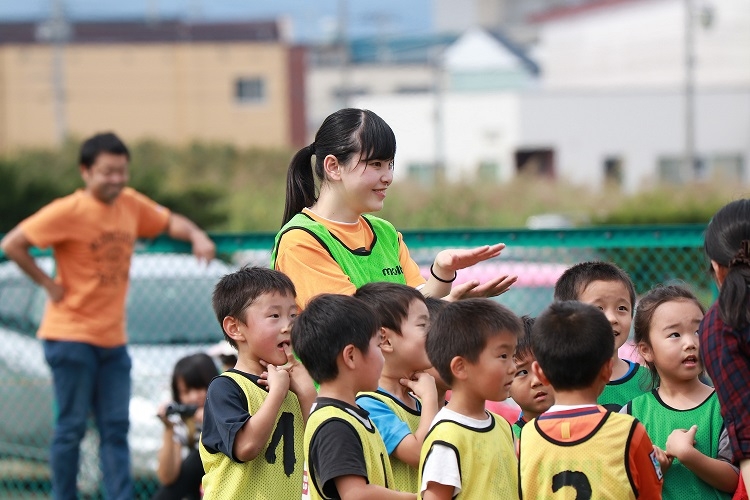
(224,414)
(391,428)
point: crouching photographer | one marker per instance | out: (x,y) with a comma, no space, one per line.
(180,469)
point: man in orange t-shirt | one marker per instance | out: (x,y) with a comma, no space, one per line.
(92,233)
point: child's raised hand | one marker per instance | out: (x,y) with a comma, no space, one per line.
(300,379)
(276,378)
(681,442)
(422,385)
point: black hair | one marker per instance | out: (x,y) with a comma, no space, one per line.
(644,314)
(329,323)
(342,134)
(389,301)
(572,341)
(727,242)
(196,371)
(572,283)
(434,306)
(462,329)
(236,291)
(106,142)
(523,347)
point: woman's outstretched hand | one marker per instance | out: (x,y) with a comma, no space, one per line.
(473,288)
(451,260)
(447,262)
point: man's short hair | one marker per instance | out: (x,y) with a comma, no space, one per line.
(389,301)
(571,283)
(236,291)
(462,329)
(329,323)
(572,341)
(106,142)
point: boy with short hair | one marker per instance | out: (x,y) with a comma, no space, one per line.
(337,337)
(606,286)
(577,445)
(468,451)
(527,390)
(434,306)
(401,418)
(253,420)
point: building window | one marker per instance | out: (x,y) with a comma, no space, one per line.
(724,167)
(728,167)
(488,170)
(249,90)
(613,170)
(345,93)
(413,89)
(536,162)
(423,173)
(671,170)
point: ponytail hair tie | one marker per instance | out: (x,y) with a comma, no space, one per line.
(743,256)
(311,148)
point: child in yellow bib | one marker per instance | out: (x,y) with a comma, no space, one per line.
(406,400)
(577,449)
(253,420)
(337,338)
(468,452)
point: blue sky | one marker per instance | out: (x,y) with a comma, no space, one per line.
(311,19)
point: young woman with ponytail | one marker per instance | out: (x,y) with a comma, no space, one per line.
(328,241)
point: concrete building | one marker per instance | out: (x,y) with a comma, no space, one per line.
(167,80)
(609,106)
(413,70)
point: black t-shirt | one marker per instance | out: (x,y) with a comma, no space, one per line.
(224,414)
(336,450)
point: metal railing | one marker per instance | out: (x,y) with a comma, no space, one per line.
(169,316)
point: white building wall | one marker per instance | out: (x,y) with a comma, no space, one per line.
(376,79)
(641,43)
(583,129)
(638,126)
(477,128)
(613,80)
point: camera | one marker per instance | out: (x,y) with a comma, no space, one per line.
(184,411)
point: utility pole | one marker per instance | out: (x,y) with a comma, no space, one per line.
(690,160)
(343,39)
(439,112)
(57,32)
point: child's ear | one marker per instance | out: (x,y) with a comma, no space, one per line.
(539,373)
(606,372)
(646,352)
(231,327)
(386,337)
(458,368)
(348,356)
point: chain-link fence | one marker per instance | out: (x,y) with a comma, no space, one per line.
(170,316)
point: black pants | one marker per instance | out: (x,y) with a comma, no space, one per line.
(188,483)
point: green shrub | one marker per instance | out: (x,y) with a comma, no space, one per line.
(225,188)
